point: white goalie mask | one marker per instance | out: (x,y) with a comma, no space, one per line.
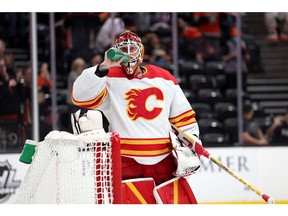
(128,42)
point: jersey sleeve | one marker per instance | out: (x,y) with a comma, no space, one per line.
(89,90)
(182,115)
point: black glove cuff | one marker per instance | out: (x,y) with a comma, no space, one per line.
(196,136)
(100,73)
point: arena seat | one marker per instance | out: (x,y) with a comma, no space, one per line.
(215,140)
(210,125)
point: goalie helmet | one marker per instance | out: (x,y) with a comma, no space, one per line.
(128,42)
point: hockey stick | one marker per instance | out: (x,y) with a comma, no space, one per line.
(200,150)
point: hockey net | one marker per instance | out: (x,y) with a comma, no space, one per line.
(68,169)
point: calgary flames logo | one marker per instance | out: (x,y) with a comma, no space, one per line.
(138,106)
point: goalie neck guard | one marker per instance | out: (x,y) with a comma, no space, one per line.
(128,42)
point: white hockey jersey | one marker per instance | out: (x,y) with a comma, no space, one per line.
(139,108)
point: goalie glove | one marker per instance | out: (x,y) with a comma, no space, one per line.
(87,120)
(186,159)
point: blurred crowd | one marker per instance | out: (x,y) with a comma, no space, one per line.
(207,41)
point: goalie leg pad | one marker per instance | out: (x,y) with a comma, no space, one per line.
(175,191)
(138,191)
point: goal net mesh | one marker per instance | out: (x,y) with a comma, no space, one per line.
(69,168)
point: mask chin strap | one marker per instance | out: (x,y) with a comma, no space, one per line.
(129,69)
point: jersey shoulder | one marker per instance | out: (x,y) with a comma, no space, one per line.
(154,71)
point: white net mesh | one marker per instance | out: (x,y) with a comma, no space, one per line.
(69,168)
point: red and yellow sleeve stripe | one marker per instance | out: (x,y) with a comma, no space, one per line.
(93,103)
(184,119)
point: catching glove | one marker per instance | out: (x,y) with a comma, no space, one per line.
(186,159)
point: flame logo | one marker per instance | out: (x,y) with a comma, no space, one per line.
(137,103)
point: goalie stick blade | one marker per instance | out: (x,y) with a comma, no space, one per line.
(190,142)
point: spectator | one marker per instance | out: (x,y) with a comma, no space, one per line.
(161,58)
(252,133)
(160,18)
(9,59)
(279,130)
(277,26)
(189,41)
(27,100)
(44,87)
(151,42)
(156,52)
(227,21)
(196,43)
(46,122)
(11,90)
(230,60)
(96,59)
(188,30)
(160,23)
(133,22)
(80,29)
(208,50)
(78,65)
(208,23)
(2,48)
(44,79)
(104,37)
(10,94)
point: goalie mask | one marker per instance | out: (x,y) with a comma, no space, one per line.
(128,42)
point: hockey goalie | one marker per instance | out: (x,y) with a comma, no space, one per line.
(140,103)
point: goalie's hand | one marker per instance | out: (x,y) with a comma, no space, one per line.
(186,159)
(108,63)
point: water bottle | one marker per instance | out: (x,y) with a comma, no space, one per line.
(115,55)
(28,151)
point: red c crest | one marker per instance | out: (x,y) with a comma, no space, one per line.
(137,103)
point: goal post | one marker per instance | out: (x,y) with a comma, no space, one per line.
(74,169)
(116,168)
